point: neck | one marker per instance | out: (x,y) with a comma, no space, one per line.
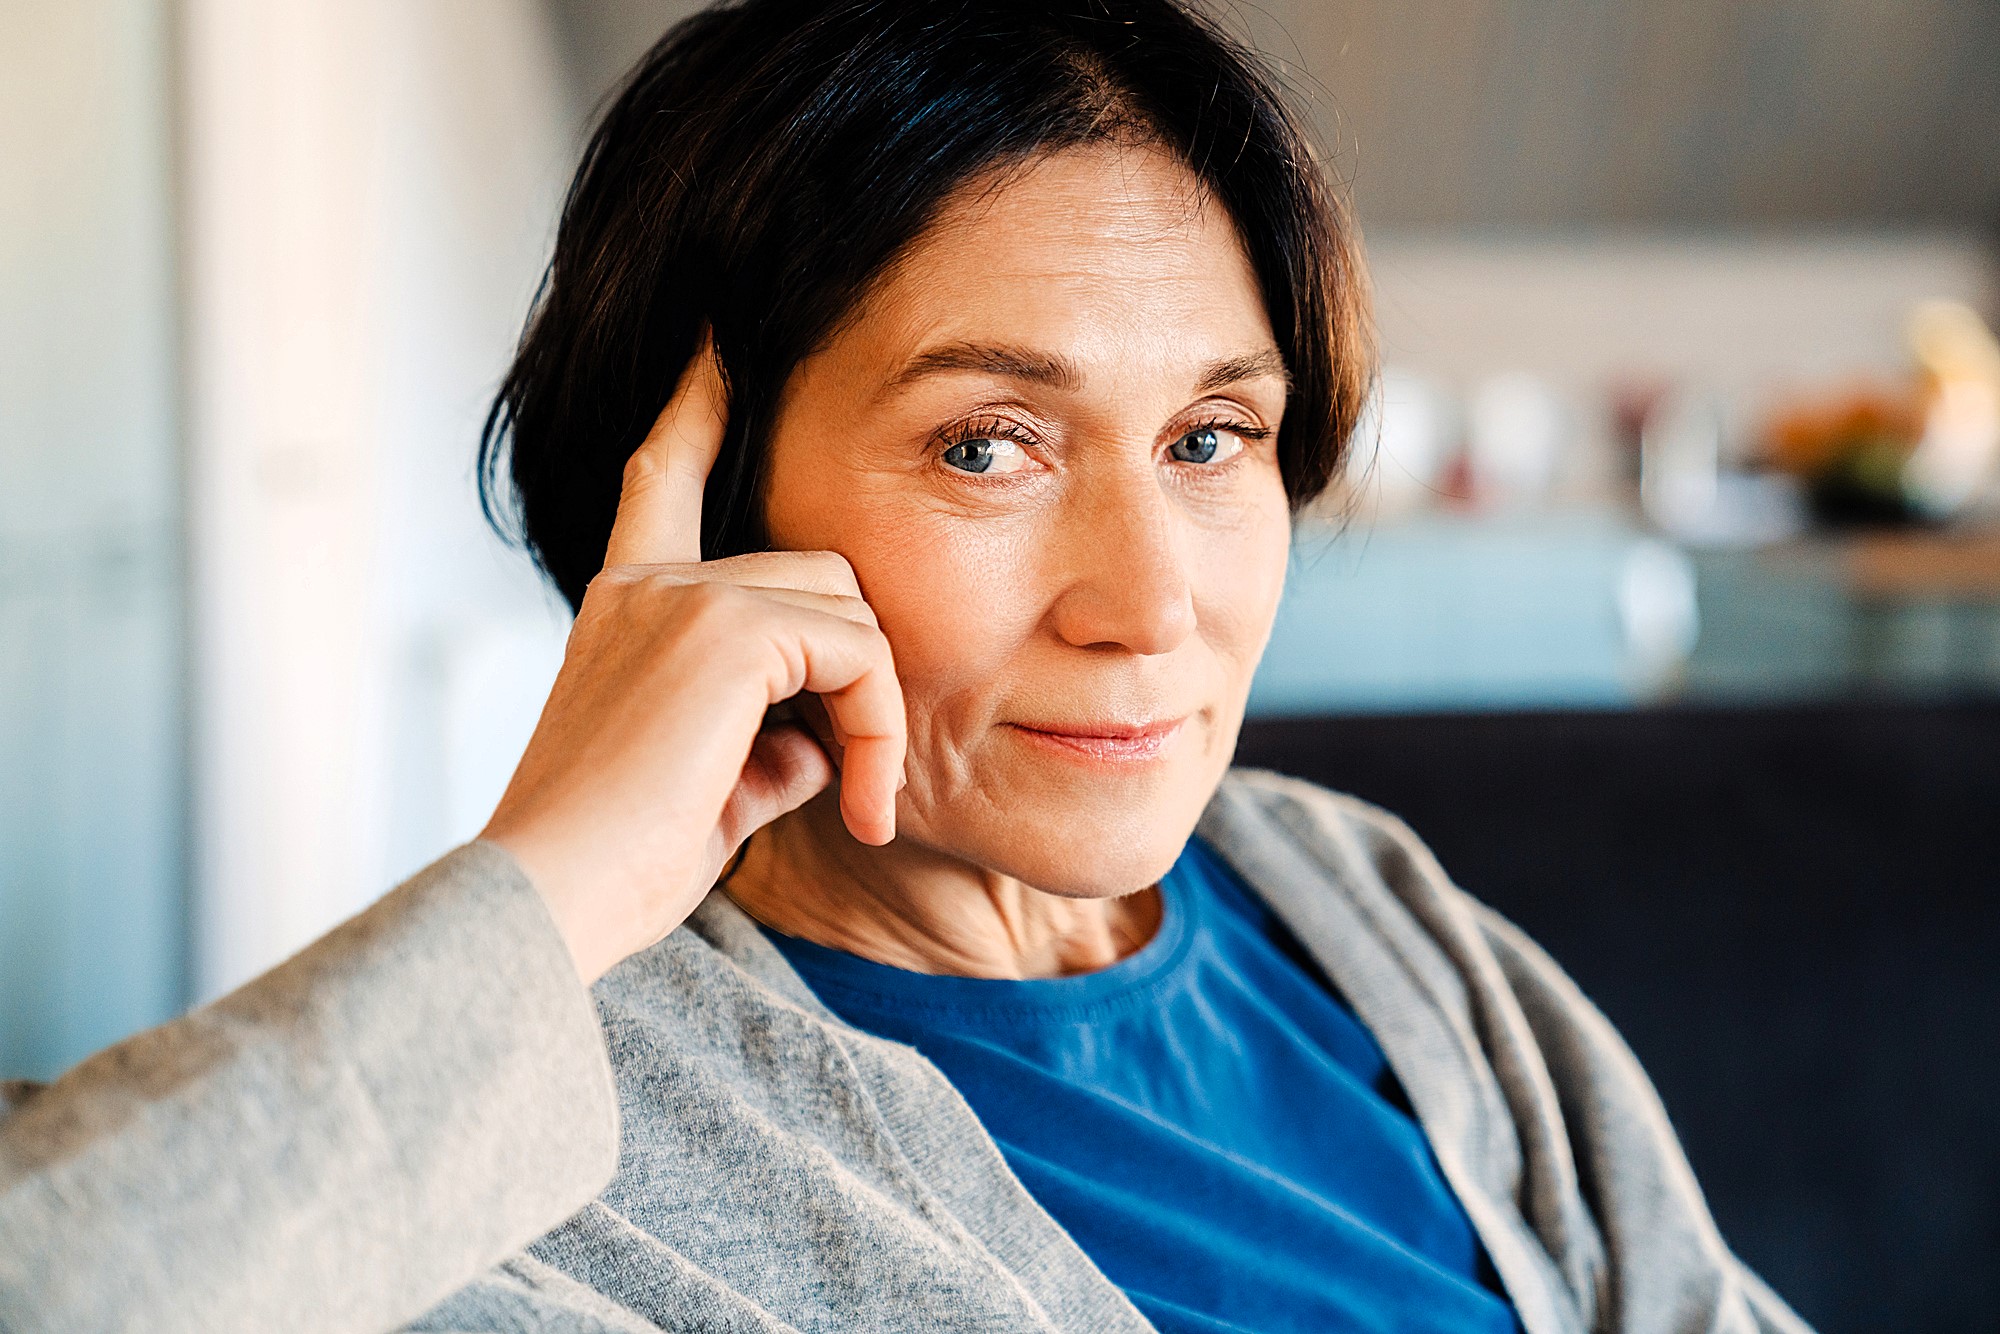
(914,908)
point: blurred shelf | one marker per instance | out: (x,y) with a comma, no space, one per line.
(1924,566)
(1839,616)
(1588,609)
(1459,612)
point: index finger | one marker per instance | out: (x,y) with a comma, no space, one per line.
(659,505)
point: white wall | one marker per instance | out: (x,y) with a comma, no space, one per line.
(371,186)
(91,729)
(1738,312)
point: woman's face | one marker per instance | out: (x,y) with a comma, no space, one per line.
(1047,445)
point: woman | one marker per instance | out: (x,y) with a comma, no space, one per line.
(998,340)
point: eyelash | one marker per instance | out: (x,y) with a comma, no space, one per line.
(999,428)
(984,428)
(1250,433)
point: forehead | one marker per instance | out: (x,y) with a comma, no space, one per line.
(1111,254)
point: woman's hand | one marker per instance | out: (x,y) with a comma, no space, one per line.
(652,761)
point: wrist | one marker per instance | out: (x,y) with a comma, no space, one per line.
(581,918)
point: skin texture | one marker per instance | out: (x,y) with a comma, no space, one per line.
(1100,584)
(1028,679)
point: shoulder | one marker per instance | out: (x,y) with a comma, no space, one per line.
(1361,891)
(1297,841)
(1367,852)
(1257,814)
(1292,800)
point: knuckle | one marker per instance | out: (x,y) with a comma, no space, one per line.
(635,579)
(610,584)
(834,571)
(715,619)
(644,469)
(857,609)
(710,602)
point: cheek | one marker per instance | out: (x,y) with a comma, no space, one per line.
(954,601)
(1238,572)
(951,592)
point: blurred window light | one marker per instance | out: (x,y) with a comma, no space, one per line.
(1957,458)
(1400,448)
(1516,435)
(1659,614)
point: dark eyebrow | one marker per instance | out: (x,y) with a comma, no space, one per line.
(1238,369)
(1019,363)
(1013,363)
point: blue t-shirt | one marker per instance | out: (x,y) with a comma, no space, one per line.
(1207,1118)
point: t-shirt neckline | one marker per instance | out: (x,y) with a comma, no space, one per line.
(863,985)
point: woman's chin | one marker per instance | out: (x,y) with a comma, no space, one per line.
(1079,839)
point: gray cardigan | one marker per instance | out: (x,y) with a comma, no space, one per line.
(382,1132)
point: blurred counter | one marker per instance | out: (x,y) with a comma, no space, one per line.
(1448,612)
(1588,609)
(1901,614)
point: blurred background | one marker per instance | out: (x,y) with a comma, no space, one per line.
(1664,597)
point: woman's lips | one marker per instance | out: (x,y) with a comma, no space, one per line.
(1110,743)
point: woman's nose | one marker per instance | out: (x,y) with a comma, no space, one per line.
(1122,559)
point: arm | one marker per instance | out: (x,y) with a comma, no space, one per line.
(336,1146)
(356,1134)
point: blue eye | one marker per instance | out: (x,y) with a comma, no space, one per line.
(1205,447)
(986,455)
(970,455)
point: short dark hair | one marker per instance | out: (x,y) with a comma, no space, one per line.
(769,158)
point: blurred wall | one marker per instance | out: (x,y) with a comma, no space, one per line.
(92,818)
(309,232)
(602,39)
(371,187)
(1747,318)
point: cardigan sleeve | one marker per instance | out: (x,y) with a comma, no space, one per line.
(336,1146)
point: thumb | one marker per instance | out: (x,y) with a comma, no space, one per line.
(659,504)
